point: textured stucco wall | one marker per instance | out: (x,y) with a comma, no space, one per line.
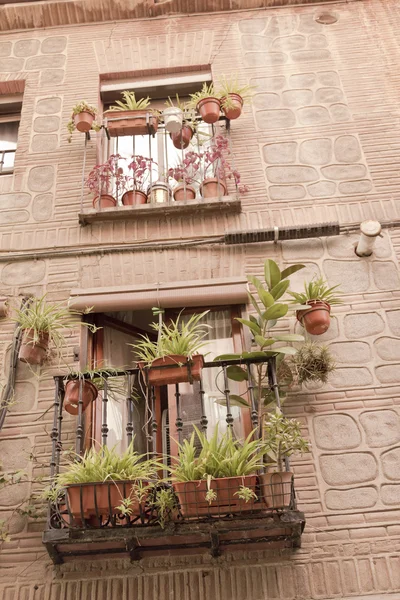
(320,142)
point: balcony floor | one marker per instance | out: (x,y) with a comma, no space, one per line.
(266,530)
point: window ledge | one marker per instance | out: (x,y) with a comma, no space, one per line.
(231,204)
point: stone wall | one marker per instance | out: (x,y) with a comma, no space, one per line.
(319,143)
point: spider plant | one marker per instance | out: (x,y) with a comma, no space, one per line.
(316,289)
(312,362)
(129,102)
(116,383)
(229,85)
(207,91)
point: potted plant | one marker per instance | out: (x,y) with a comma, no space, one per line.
(103,179)
(218,168)
(174,357)
(181,138)
(91,381)
(137,181)
(312,362)
(218,479)
(282,438)
(319,298)
(82,119)
(186,173)
(42,323)
(232,96)
(206,103)
(131,117)
(104,483)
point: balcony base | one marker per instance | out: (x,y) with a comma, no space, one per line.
(228,204)
(265,531)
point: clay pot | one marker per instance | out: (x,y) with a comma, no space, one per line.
(316,319)
(83,121)
(106,201)
(276,489)
(184,193)
(33,353)
(100,498)
(192,496)
(212,188)
(131,122)
(235,106)
(4,307)
(209,109)
(182,138)
(133,197)
(174,373)
(71,398)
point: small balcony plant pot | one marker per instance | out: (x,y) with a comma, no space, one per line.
(71,398)
(194,504)
(316,320)
(131,122)
(33,353)
(159,193)
(133,197)
(83,121)
(174,369)
(276,489)
(182,192)
(106,201)
(182,138)
(95,499)
(209,109)
(235,106)
(173,119)
(212,188)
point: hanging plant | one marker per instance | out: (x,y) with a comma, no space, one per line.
(317,299)
(82,119)
(233,95)
(312,362)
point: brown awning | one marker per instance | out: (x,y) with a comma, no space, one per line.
(210,292)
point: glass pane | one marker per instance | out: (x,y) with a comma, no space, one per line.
(8,141)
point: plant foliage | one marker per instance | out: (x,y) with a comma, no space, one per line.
(317,289)
(129,102)
(283,438)
(312,362)
(207,91)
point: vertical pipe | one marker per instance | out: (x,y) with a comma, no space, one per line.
(253,413)
(178,421)
(79,428)
(104,426)
(151,171)
(203,418)
(54,434)
(83,171)
(60,419)
(129,406)
(229,417)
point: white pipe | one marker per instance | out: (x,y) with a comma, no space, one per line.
(369,232)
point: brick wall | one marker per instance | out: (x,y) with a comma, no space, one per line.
(319,143)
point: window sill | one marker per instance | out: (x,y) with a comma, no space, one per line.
(231,204)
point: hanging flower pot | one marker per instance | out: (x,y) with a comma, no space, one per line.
(71,398)
(316,320)
(174,369)
(32,352)
(182,192)
(209,109)
(276,489)
(232,105)
(83,121)
(173,118)
(133,197)
(212,188)
(182,138)
(106,201)
(101,499)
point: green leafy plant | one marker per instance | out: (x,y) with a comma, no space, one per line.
(180,337)
(165,503)
(283,438)
(129,102)
(317,289)
(207,91)
(80,107)
(230,85)
(312,362)
(116,383)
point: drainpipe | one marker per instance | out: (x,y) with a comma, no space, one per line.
(370,230)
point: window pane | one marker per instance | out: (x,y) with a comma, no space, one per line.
(8,135)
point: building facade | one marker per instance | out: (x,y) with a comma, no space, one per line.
(318,144)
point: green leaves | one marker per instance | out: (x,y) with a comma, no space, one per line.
(277,311)
(272,273)
(290,337)
(236,373)
(291,270)
(255,328)
(235,400)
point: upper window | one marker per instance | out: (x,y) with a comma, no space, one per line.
(10,114)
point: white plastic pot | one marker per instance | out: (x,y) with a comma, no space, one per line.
(173,119)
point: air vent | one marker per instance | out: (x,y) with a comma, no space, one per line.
(283,233)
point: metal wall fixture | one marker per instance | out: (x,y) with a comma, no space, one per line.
(370,230)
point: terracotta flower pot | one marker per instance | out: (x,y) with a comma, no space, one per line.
(276,489)
(33,353)
(83,121)
(71,398)
(184,193)
(159,374)
(100,498)
(212,188)
(316,319)
(131,122)
(209,109)
(192,496)
(106,201)
(133,197)
(234,110)
(182,138)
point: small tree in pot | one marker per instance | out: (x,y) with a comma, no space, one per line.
(317,299)
(186,173)
(218,168)
(103,179)
(138,179)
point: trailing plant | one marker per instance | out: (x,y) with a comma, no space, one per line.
(207,91)
(80,107)
(312,362)
(283,438)
(317,289)
(164,502)
(179,337)
(129,102)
